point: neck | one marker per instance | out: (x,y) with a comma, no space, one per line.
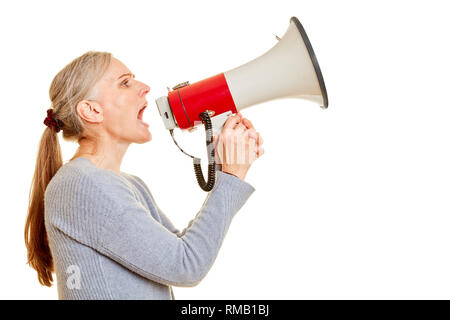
(104,152)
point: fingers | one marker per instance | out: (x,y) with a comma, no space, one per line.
(248,123)
(252,134)
(237,121)
(252,150)
(232,122)
(260,152)
(240,128)
(260,139)
(235,129)
(218,149)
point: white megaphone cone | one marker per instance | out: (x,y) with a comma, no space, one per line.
(288,70)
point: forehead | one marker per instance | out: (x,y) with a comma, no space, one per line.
(115,69)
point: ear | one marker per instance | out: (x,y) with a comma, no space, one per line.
(90,111)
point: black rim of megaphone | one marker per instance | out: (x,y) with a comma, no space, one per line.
(313,59)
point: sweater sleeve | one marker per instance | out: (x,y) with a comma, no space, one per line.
(133,238)
(165,221)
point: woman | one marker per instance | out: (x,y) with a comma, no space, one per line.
(99,229)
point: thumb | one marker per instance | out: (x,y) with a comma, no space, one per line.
(216,139)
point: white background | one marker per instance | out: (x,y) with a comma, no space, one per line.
(350,202)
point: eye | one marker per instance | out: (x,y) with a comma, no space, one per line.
(125,83)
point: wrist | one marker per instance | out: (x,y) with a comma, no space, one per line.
(242,177)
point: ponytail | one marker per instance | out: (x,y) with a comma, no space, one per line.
(74,83)
(49,160)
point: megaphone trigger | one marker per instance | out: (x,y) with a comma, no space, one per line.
(218,122)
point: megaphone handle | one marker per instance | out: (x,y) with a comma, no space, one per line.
(219,121)
(207,185)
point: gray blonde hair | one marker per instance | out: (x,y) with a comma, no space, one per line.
(74,83)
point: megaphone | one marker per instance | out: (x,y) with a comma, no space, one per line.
(289,70)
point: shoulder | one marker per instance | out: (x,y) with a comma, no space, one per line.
(79,183)
(83,174)
(135,180)
(81,199)
(139,184)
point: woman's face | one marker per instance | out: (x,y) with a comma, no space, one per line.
(122,99)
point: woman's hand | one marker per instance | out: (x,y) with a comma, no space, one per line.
(238,146)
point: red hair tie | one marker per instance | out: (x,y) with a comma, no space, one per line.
(50,121)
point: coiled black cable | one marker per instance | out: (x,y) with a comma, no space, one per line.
(206,185)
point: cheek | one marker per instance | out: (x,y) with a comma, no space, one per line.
(112,116)
(122,122)
(115,121)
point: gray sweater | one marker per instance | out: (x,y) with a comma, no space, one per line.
(109,239)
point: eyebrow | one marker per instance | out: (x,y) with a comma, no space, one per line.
(126,74)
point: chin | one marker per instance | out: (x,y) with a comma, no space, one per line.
(144,138)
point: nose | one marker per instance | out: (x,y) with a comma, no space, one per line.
(145,89)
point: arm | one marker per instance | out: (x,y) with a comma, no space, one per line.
(132,237)
(165,221)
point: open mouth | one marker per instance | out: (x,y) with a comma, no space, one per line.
(141,112)
(140,115)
